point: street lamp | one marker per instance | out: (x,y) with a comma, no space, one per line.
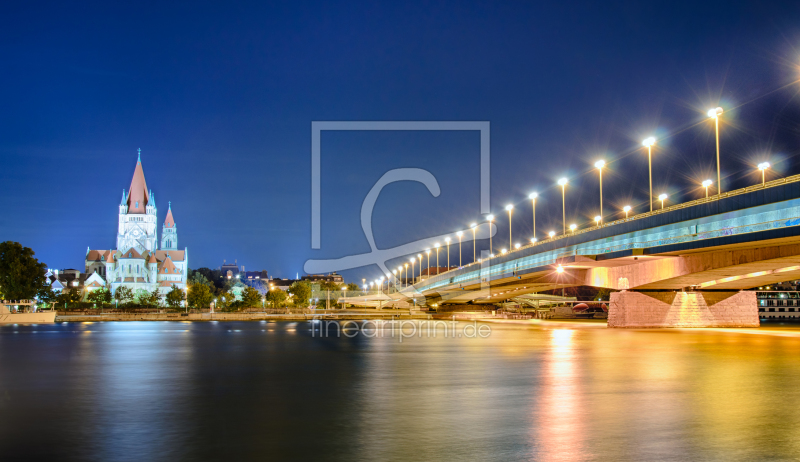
(563,183)
(405,283)
(572,227)
(600,164)
(428,253)
(509,209)
(459,234)
(532,197)
(517,245)
(597,220)
(714,114)
(437,258)
(413,277)
(626,209)
(503,251)
(551,233)
(447,240)
(394,272)
(763,166)
(344,295)
(648,143)
(473,226)
(490,218)
(706,184)
(533,240)
(662,198)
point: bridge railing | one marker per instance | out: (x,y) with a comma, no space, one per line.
(640,216)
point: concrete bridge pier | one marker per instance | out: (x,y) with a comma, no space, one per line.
(683,309)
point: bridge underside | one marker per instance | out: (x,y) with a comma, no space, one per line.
(730,268)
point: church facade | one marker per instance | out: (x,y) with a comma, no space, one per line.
(140,261)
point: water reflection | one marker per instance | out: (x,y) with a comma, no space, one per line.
(231,391)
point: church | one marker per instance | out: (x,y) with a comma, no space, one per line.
(139,262)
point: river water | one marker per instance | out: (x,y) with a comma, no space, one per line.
(150,391)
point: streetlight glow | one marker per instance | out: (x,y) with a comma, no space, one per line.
(509,209)
(473,227)
(706,184)
(763,166)
(490,218)
(597,220)
(662,198)
(551,233)
(626,209)
(572,227)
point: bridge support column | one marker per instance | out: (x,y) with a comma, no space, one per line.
(683,309)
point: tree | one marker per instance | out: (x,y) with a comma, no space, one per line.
(69,296)
(151,299)
(198,278)
(21,274)
(353,287)
(276,298)
(101,296)
(301,292)
(174,297)
(48,296)
(251,297)
(199,296)
(328,285)
(123,294)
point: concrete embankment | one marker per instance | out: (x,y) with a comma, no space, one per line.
(387,315)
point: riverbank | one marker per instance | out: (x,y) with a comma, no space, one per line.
(332,315)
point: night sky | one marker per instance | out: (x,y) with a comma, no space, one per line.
(220,98)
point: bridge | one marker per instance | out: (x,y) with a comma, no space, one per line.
(684,265)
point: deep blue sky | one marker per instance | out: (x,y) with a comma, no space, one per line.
(221,97)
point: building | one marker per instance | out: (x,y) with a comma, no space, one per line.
(332,277)
(139,262)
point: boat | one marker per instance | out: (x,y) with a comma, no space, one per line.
(24,312)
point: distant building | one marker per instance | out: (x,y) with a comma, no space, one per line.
(332,277)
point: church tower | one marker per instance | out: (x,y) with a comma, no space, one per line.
(169,233)
(137,215)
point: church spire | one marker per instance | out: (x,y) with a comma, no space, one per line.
(138,195)
(123,197)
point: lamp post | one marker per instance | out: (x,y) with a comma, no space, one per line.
(344,295)
(412,270)
(763,166)
(447,240)
(563,183)
(597,220)
(490,218)
(648,143)
(532,196)
(662,198)
(714,114)
(600,164)
(517,245)
(428,253)
(706,184)
(572,228)
(509,209)
(552,234)
(626,209)
(394,273)
(405,283)
(436,246)
(474,227)
(459,234)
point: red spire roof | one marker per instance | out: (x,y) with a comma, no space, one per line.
(169,222)
(138,195)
